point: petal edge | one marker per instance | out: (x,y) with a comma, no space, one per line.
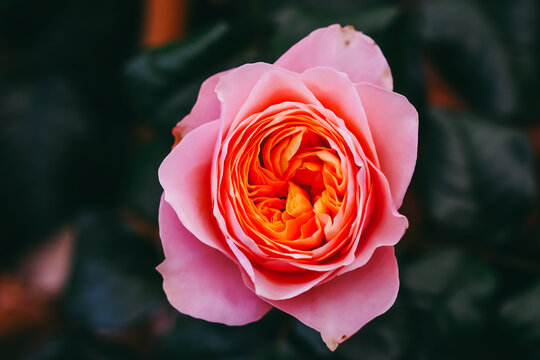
(200,281)
(340,307)
(344,49)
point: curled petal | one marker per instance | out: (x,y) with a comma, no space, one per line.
(185,178)
(206,108)
(394,126)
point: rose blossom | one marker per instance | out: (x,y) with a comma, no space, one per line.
(283,187)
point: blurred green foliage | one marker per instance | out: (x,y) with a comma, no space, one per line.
(86,118)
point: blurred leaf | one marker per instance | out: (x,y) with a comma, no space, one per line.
(42,134)
(277,336)
(518,26)
(142,191)
(114,282)
(80,347)
(253,13)
(341,6)
(177,105)
(294,23)
(452,293)
(311,339)
(402,47)
(431,276)
(464,45)
(455,286)
(59,84)
(477,177)
(521,316)
(193,337)
(196,339)
(63,37)
(157,78)
(386,337)
(281,350)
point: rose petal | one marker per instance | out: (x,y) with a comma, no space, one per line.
(185,178)
(384,227)
(343,49)
(394,126)
(273,87)
(340,307)
(234,88)
(336,92)
(201,282)
(272,284)
(206,108)
(278,285)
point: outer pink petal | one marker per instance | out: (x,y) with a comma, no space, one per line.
(385,226)
(206,108)
(234,88)
(200,281)
(340,307)
(185,178)
(343,49)
(394,126)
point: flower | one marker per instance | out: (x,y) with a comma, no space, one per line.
(283,187)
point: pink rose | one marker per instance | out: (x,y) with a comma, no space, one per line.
(283,191)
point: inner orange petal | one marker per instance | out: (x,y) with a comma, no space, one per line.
(289,185)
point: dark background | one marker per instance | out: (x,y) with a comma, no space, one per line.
(89,93)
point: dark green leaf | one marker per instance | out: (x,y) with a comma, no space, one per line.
(142,191)
(476,176)
(386,337)
(80,347)
(453,296)
(517,24)
(64,35)
(311,338)
(165,76)
(114,283)
(521,316)
(195,339)
(44,126)
(464,45)
(341,6)
(455,286)
(294,23)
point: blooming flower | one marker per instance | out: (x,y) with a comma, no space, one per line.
(283,187)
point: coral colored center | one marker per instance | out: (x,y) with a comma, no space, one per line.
(297,175)
(287,184)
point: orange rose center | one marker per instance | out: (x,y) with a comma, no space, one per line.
(297,175)
(287,183)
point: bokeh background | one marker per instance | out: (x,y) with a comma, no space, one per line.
(89,93)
